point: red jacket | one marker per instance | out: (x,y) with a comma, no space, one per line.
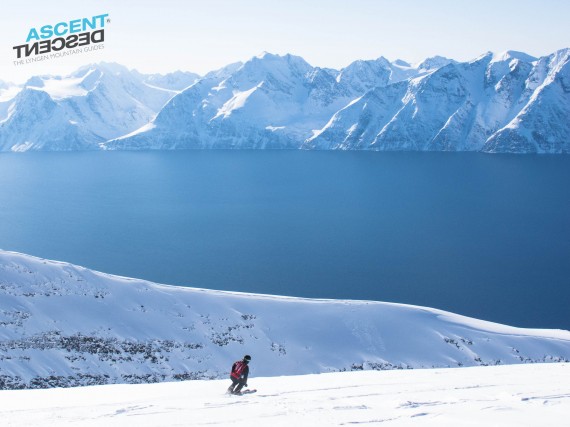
(240,370)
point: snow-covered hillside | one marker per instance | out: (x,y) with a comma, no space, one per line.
(522,395)
(64,325)
(96,103)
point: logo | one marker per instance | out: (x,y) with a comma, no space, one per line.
(62,39)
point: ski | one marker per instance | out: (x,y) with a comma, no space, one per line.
(241,393)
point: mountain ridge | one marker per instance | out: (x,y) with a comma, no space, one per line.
(508,102)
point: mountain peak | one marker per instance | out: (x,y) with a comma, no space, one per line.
(264,54)
(224,72)
(103,67)
(35,81)
(561,55)
(513,54)
(281,67)
(274,58)
(487,56)
(34,93)
(433,63)
(401,63)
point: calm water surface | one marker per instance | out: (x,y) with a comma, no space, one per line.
(482,235)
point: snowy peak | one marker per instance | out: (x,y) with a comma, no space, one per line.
(272,60)
(557,61)
(35,121)
(433,63)
(361,76)
(103,67)
(381,72)
(509,55)
(176,81)
(90,76)
(267,63)
(277,72)
(401,63)
(31,101)
(36,81)
(224,72)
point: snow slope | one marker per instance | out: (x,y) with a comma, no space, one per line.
(64,325)
(522,395)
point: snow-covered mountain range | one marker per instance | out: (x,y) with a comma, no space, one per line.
(64,325)
(270,101)
(509,102)
(506,103)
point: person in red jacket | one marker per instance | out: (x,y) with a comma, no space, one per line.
(240,371)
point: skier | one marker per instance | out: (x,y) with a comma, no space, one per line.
(240,371)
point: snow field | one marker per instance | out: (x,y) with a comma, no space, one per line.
(516,395)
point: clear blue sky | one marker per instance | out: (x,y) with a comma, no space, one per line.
(166,35)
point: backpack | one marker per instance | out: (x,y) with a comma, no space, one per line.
(238,369)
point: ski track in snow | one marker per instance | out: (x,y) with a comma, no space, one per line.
(521,395)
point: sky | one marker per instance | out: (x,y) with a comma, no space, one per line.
(168,35)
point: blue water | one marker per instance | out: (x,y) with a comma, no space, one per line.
(482,235)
